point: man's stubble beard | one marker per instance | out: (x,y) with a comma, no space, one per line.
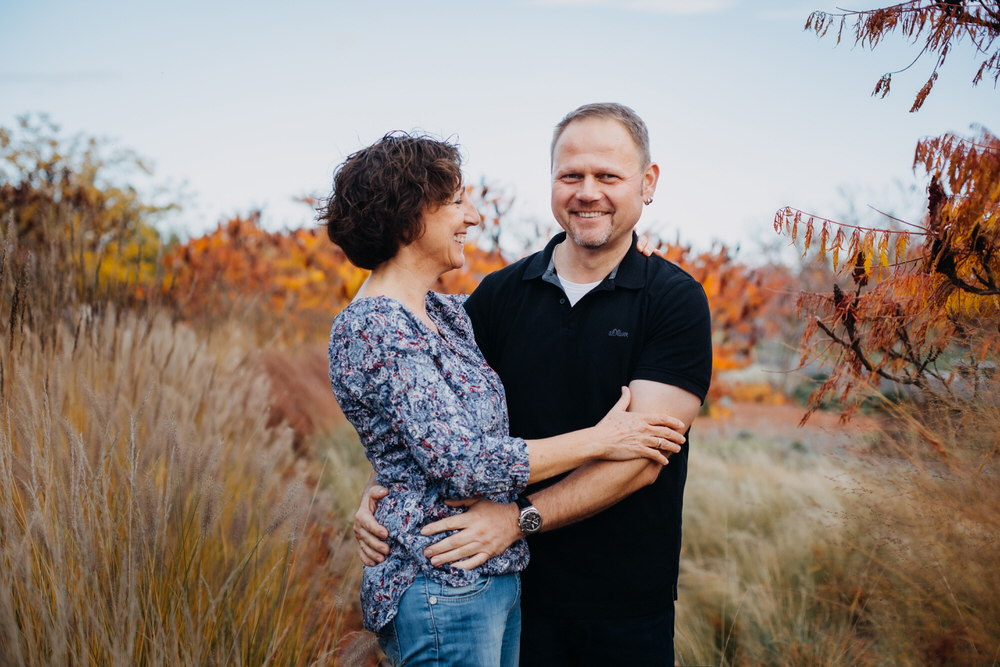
(593,245)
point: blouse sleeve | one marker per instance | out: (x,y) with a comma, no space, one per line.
(400,381)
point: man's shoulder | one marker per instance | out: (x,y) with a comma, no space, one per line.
(662,274)
(670,291)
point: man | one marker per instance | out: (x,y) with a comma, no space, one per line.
(565,329)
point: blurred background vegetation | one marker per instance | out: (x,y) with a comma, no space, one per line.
(177,483)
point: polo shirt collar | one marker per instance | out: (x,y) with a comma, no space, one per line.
(629,273)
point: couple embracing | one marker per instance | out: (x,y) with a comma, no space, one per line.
(543,406)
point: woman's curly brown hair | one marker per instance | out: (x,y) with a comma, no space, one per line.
(380,192)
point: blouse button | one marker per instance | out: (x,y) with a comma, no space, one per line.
(562,300)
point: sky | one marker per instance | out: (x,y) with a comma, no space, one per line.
(250,105)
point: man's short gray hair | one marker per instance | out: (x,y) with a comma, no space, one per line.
(612,111)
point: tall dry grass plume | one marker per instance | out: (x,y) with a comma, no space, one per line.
(881,552)
(763,559)
(931,506)
(149,512)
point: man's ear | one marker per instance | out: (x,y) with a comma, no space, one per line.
(649,179)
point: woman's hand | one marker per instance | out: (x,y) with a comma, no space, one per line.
(644,246)
(623,435)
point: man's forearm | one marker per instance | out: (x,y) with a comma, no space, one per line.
(591,489)
(486,529)
(594,487)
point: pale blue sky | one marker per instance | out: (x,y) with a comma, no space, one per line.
(253,103)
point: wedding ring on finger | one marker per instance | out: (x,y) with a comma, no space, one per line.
(658,441)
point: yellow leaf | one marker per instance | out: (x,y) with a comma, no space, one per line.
(901,242)
(883,250)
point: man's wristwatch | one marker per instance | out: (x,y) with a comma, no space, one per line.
(530,520)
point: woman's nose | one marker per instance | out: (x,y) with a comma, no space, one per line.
(472,216)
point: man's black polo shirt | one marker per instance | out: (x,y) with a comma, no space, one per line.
(563,368)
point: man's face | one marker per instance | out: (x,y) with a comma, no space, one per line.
(599,183)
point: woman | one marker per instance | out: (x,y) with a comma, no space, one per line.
(430,412)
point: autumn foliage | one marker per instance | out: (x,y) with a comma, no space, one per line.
(297,277)
(59,197)
(151,513)
(939,24)
(58,201)
(291,274)
(303,279)
(747,303)
(921,305)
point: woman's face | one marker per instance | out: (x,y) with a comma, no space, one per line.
(445,226)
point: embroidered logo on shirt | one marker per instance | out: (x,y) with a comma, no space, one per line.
(618,333)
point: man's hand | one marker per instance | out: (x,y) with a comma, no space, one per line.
(485,530)
(369,533)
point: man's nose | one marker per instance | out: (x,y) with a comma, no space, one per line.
(588,190)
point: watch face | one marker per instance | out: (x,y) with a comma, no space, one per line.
(531,521)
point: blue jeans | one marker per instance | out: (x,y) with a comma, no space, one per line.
(478,625)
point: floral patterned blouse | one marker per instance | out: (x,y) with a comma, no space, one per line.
(432,416)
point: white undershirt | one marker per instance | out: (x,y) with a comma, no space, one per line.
(576,291)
